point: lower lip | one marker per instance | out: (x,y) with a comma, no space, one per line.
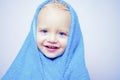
(51,50)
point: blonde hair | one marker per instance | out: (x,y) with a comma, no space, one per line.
(57,4)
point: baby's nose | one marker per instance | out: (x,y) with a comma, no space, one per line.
(52,39)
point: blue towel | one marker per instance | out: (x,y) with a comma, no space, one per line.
(31,64)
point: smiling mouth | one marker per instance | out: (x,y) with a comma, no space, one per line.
(51,48)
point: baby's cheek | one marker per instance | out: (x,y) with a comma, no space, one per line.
(39,40)
(64,43)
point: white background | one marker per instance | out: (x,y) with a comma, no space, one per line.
(100,24)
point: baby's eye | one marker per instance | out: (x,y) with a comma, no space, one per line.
(44,31)
(62,34)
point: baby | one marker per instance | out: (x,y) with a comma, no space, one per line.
(53,29)
(53,49)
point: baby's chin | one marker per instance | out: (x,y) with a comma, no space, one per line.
(53,57)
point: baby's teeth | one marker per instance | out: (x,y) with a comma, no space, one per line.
(52,47)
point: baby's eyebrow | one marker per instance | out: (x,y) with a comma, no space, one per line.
(41,28)
(63,30)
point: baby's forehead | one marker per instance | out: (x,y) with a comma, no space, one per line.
(54,8)
(56,5)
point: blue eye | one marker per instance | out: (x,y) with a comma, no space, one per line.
(62,34)
(44,31)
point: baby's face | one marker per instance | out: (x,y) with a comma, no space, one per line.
(52,31)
